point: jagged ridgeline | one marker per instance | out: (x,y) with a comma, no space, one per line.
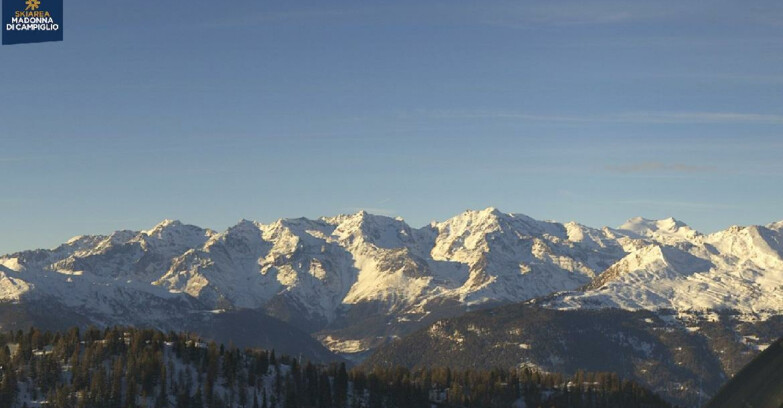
(698,306)
(355,281)
(126,367)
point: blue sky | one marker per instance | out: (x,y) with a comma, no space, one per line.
(570,110)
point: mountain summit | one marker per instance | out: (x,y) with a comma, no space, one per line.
(356,280)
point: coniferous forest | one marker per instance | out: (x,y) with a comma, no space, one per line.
(126,367)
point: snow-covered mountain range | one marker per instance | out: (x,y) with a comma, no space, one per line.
(671,266)
(354,280)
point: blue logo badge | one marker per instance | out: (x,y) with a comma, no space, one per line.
(32,21)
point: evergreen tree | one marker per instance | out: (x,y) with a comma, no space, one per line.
(341,387)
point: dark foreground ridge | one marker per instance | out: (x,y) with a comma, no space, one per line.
(758,385)
(127,367)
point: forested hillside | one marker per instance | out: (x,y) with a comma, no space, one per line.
(758,384)
(123,367)
(681,365)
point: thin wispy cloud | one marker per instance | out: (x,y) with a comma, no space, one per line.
(736,78)
(16,201)
(528,14)
(770,13)
(289,16)
(564,13)
(511,14)
(653,167)
(676,204)
(625,117)
(700,117)
(603,12)
(11,159)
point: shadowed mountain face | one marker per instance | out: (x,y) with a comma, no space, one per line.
(758,385)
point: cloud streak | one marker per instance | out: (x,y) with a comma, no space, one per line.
(527,14)
(653,167)
(650,117)
(288,16)
(677,204)
(509,14)
(564,13)
(11,159)
(699,117)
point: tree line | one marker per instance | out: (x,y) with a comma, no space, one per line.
(129,368)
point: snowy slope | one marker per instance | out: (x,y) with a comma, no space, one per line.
(740,268)
(367,273)
(512,257)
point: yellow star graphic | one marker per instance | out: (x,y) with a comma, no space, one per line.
(32,4)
